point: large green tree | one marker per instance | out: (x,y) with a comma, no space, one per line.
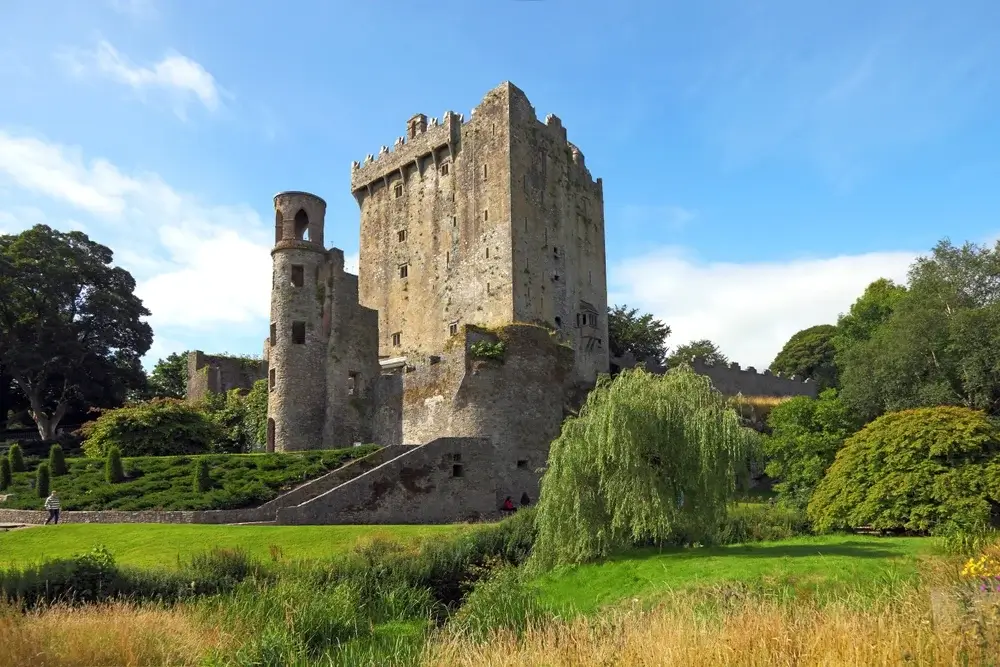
(872,309)
(810,354)
(649,458)
(71,326)
(168,379)
(940,345)
(643,335)
(703,349)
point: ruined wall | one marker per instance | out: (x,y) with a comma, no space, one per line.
(297,353)
(219,374)
(557,212)
(517,402)
(352,368)
(447,480)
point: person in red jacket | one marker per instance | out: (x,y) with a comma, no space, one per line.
(508,505)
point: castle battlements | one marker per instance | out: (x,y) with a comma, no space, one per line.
(435,140)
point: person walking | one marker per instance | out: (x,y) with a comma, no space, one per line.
(52,505)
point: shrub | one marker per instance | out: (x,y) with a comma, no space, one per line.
(763,523)
(157,428)
(500,601)
(16,458)
(114,472)
(57,461)
(42,480)
(202,478)
(5,474)
(913,470)
(805,436)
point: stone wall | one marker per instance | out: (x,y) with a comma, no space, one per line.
(219,374)
(518,403)
(447,480)
(114,516)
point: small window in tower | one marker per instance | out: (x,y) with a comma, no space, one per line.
(487,253)
(447,258)
(555,277)
(444,169)
(486,215)
(486,171)
(454,221)
(453,329)
(397,190)
(397,338)
(555,252)
(522,464)
(401,234)
(558,323)
(590,277)
(271,378)
(525,223)
(298,275)
(456,457)
(494,129)
(404,270)
(579,316)
(301,226)
(274,333)
(352,383)
(298,333)
(456,470)
(487,289)
(593,319)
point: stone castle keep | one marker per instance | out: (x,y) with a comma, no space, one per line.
(477,320)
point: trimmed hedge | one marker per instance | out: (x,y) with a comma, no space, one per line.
(161,427)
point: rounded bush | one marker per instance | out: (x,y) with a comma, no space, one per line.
(42,480)
(16,458)
(57,461)
(161,427)
(913,470)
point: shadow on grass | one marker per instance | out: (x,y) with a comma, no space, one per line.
(851,549)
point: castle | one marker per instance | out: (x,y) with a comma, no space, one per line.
(476,323)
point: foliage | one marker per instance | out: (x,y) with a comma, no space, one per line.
(164,482)
(168,379)
(914,470)
(703,349)
(159,427)
(809,354)
(57,460)
(42,479)
(649,456)
(6,477)
(866,315)
(202,478)
(941,343)
(501,601)
(805,436)
(241,420)
(641,335)
(760,522)
(484,349)
(71,328)
(114,472)
(16,458)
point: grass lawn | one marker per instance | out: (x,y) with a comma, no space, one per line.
(823,564)
(166,482)
(160,545)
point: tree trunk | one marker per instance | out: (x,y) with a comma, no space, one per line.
(46,423)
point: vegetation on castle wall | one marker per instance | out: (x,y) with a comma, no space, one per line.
(484,349)
(165,482)
(650,458)
(159,427)
(241,418)
(914,470)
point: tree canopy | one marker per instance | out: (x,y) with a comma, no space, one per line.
(810,354)
(168,379)
(71,326)
(703,348)
(938,342)
(641,335)
(649,458)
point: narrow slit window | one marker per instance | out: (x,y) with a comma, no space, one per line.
(271,378)
(398,190)
(352,383)
(401,234)
(453,329)
(396,339)
(486,172)
(404,270)
(444,169)
(486,215)
(274,333)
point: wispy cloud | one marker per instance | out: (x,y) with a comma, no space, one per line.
(659,217)
(179,77)
(139,9)
(199,266)
(750,310)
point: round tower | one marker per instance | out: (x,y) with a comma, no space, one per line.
(296,405)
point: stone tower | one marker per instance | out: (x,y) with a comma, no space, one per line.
(486,222)
(297,344)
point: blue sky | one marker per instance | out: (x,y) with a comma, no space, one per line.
(762,161)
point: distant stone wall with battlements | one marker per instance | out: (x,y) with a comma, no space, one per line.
(219,374)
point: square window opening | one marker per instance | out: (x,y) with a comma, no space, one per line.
(298,333)
(298,275)
(522,464)
(456,470)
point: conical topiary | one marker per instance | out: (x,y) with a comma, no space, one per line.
(42,480)
(202,479)
(57,461)
(16,458)
(113,468)
(6,479)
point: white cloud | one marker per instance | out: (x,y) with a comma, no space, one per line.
(179,76)
(198,266)
(749,310)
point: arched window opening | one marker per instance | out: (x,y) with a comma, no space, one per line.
(301,226)
(278,224)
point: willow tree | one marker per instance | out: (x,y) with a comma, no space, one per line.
(649,458)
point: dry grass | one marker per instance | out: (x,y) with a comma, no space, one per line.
(118,635)
(760,402)
(751,632)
